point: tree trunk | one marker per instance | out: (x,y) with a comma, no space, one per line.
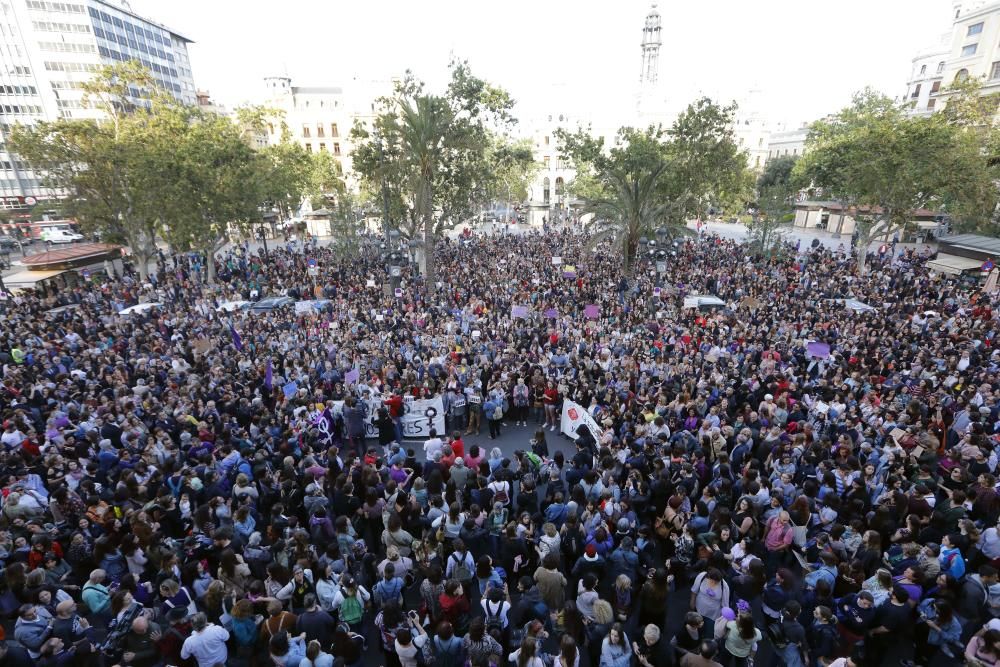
(210,267)
(141,259)
(862,253)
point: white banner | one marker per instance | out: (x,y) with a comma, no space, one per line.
(573,415)
(419,417)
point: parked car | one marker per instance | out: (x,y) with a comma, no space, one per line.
(270,303)
(8,243)
(58,235)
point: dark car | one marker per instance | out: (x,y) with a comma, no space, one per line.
(270,303)
(8,243)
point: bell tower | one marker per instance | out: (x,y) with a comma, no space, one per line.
(651,42)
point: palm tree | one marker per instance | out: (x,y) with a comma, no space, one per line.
(630,209)
(424,126)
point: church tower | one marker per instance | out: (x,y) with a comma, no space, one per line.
(651,41)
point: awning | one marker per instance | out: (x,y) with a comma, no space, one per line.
(954,265)
(928,224)
(26,279)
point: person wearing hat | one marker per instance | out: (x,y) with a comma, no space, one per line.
(592,562)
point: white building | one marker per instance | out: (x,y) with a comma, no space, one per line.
(48,49)
(971,48)
(321,117)
(926,76)
(785,141)
(750,128)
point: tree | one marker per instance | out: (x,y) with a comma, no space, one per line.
(887,164)
(110,169)
(630,209)
(218,185)
(428,155)
(697,164)
(777,172)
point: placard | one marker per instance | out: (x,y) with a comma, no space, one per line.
(556,261)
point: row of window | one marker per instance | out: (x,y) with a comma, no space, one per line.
(64,7)
(934,89)
(66,85)
(12,164)
(19,70)
(56,26)
(322,148)
(54,66)
(148,64)
(66,47)
(320,131)
(17,185)
(134,44)
(27,109)
(18,90)
(69,104)
(136,30)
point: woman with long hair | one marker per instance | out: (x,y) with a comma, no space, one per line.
(741,641)
(616,651)
(569,655)
(479,644)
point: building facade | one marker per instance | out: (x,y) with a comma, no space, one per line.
(969,50)
(750,129)
(320,118)
(785,141)
(49,49)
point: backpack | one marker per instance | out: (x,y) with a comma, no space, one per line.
(493,619)
(623,603)
(498,412)
(461,571)
(448,654)
(388,591)
(533,462)
(244,631)
(351,610)
(501,495)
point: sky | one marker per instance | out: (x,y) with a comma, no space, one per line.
(580,57)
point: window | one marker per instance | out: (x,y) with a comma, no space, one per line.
(936,87)
(309,148)
(940,67)
(961,75)
(305,131)
(559,187)
(546,141)
(758,161)
(333,130)
(546,159)
(916,91)
(336,149)
(995,71)
(974,29)
(969,50)
(320,131)
(931,103)
(545,190)
(923,70)
(322,148)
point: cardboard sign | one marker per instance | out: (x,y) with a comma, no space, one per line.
(556,261)
(398,292)
(370,283)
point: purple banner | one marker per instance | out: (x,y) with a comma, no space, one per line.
(820,350)
(519,311)
(551,313)
(592,311)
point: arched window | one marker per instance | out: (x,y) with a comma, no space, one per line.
(962,75)
(545,190)
(559,186)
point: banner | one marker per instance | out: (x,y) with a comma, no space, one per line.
(419,417)
(573,415)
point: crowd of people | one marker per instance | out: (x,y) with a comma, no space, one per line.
(786,474)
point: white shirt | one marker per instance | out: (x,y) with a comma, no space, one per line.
(208,646)
(432,445)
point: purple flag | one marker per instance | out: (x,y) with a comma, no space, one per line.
(519,311)
(352,376)
(551,313)
(269,376)
(290,389)
(819,350)
(592,311)
(237,339)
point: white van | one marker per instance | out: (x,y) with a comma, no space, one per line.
(60,235)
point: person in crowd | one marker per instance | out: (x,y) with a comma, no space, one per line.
(205,480)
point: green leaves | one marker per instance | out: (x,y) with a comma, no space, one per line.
(655,178)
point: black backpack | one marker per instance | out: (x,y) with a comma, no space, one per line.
(493,619)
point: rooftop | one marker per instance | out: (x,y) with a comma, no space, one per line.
(973,242)
(124,7)
(69,255)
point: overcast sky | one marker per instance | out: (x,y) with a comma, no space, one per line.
(580,57)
